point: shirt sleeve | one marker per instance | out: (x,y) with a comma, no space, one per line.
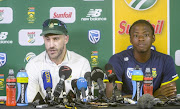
(117,63)
(33,85)
(169,71)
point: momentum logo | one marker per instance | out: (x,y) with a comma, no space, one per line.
(140,4)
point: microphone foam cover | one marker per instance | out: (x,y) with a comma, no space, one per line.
(146,101)
(47,79)
(87,74)
(66,71)
(81,82)
(97,73)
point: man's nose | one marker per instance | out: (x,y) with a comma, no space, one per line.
(141,37)
(51,43)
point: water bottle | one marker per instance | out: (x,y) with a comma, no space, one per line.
(11,89)
(148,82)
(137,82)
(22,82)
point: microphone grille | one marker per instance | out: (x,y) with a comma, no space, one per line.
(97,73)
(87,74)
(66,71)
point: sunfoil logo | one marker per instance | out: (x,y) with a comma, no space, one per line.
(140,4)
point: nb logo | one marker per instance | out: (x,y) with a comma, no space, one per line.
(3,35)
(94,13)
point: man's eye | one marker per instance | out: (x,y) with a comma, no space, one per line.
(55,38)
(135,35)
(146,35)
(47,39)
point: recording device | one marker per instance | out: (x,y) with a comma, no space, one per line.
(82,86)
(47,82)
(76,91)
(64,73)
(97,75)
(38,100)
(137,82)
(111,75)
(87,76)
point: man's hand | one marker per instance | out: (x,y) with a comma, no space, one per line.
(168,90)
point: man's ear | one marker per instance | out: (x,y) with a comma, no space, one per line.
(66,39)
(153,38)
(130,39)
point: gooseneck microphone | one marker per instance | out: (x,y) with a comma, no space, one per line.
(97,75)
(111,75)
(64,73)
(47,82)
(87,76)
(82,86)
(76,91)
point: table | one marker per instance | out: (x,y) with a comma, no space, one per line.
(123,106)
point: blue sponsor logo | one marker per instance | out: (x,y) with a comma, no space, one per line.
(94,36)
(2,59)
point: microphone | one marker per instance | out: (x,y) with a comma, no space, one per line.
(47,82)
(74,87)
(111,75)
(82,85)
(147,101)
(64,73)
(87,76)
(97,75)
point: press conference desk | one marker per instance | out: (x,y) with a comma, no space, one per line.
(125,106)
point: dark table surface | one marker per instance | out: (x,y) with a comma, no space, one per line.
(123,106)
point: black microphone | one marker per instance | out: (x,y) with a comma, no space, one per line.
(110,72)
(97,75)
(87,76)
(74,87)
(111,75)
(64,73)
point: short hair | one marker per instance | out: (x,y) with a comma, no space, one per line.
(142,21)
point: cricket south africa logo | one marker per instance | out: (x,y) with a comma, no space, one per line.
(140,4)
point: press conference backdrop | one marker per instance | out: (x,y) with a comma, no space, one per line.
(97,29)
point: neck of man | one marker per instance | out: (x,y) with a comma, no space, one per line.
(142,57)
(60,59)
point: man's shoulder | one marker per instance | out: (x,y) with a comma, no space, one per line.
(76,56)
(124,53)
(159,54)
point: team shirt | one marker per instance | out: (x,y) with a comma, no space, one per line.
(34,67)
(162,67)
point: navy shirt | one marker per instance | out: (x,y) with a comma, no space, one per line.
(161,65)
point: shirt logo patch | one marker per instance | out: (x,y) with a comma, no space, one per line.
(129,72)
(126,59)
(154,73)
